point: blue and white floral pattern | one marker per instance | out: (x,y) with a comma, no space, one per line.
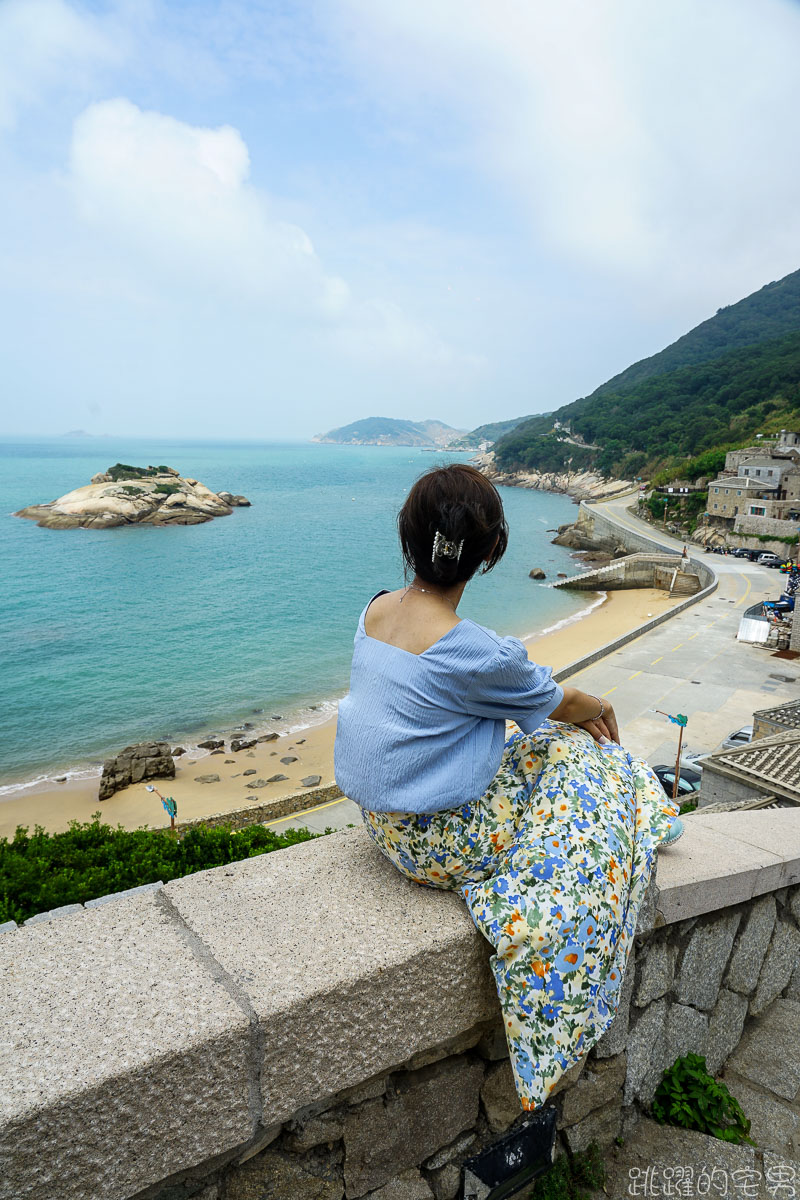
(553,862)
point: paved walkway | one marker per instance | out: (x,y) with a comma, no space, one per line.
(691,664)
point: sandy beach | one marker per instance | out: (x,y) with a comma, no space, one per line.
(54,805)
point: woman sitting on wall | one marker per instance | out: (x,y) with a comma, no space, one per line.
(549,835)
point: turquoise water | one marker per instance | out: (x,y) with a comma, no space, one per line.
(112,636)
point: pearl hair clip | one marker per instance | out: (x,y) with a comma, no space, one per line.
(444,549)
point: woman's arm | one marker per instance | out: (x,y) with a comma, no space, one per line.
(590,712)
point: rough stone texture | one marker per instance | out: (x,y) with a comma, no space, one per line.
(7,926)
(794,904)
(648,911)
(615,1037)
(454,1045)
(601,1126)
(777,1170)
(656,973)
(146,760)
(792,991)
(769,1052)
(338,963)
(729,858)
(499,1097)
(705,959)
(751,946)
(408,1186)
(314,1130)
(773,1125)
(646,1051)
(651,1157)
(686,1032)
(135,891)
(493,1044)
(600,1088)
(446,1182)
(146,1055)
(725,1026)
(65,910)
(456,1150)
(369,1090)
(430,1108)
(570,1077)
(282,1177)
(779,965)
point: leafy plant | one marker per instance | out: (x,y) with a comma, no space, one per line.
(570,1175)
(46,870)
(692,1099)
(166,489)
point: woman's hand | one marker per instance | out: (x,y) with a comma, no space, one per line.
(581,708)
(603,728)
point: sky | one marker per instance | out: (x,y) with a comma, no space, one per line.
(259,218)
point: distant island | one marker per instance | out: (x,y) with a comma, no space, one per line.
(125,495)
(389,431)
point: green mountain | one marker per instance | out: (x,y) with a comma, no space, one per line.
(487,433)
(731,377)
(390,431)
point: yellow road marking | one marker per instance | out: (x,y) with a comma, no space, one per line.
(610,690)
(655,660)
(304,812)
(693,635)
(677,647)
(746,594)
(635,673)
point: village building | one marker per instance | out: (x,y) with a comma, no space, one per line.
(758,490)
(767,768)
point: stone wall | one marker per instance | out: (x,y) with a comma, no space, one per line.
(310,1024)
(764,526)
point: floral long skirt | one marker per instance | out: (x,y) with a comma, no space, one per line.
(553,862)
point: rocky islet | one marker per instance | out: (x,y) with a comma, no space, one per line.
(125,495)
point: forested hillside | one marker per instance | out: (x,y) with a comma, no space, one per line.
(722,383)
(488,433)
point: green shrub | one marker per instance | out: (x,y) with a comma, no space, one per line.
(569,1176)
(166,489)
(132,491)
(46,870)
(692,1099)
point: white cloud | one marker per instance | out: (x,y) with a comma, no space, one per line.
(651,141)
(179,195)
(173,203)
(43,44)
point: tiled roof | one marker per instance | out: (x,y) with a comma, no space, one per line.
(770,763)
(787,715)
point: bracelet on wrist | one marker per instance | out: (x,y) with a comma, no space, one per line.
(602,707)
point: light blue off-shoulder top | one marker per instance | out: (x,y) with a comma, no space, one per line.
(425,732)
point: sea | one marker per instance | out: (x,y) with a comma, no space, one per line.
(109,637)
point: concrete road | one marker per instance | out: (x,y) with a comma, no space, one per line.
(691,664)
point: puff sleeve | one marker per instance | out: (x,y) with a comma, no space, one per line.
(513,688)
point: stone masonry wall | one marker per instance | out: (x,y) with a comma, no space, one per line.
(702,985)
(310,1024)
(766,526)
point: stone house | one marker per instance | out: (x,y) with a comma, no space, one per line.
(767,767)
(767,721)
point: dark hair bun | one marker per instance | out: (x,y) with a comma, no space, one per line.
(451,522)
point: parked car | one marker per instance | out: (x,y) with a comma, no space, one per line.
(739,737)
(769,560)
(689,780)
(740,552)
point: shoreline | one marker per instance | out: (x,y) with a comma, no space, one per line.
(53,805)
